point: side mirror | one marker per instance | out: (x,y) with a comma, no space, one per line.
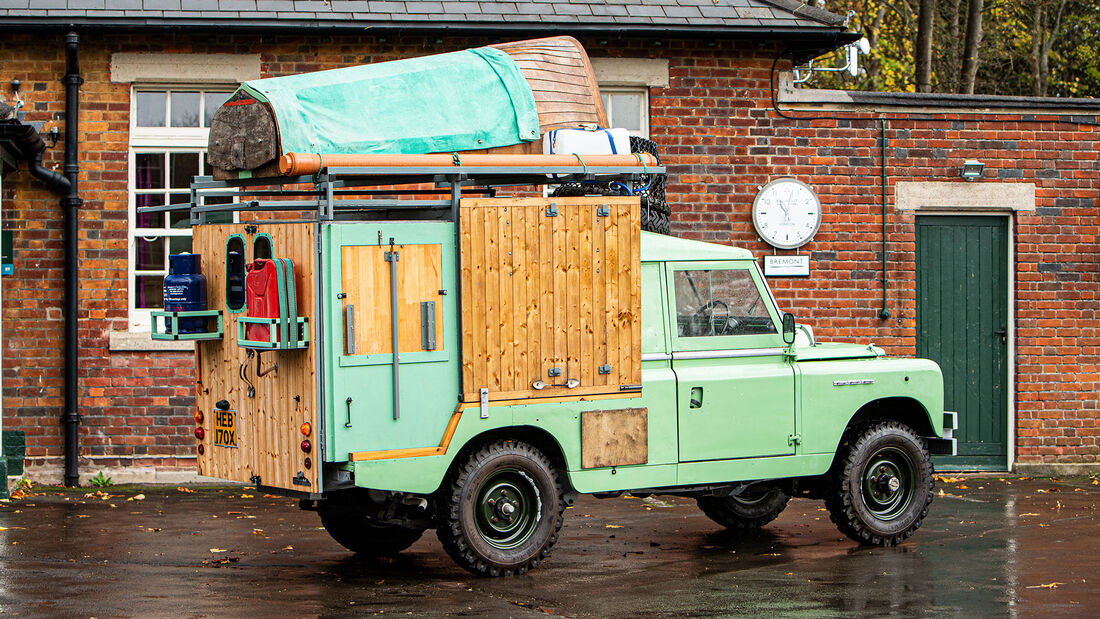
(788,328)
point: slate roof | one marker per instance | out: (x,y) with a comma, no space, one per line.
(581,15)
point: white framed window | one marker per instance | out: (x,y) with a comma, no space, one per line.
(168,135)
(628,108)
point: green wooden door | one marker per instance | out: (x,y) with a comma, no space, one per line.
(962,322)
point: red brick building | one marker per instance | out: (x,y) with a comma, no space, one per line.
(998,277)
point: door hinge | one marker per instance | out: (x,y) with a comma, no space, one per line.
(484,393)
(794,439)
(605,369)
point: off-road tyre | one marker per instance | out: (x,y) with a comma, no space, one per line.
(359,533)
(475,491)
(652,221)
(860,497)
(745,512)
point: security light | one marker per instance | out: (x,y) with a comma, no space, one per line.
(972,169)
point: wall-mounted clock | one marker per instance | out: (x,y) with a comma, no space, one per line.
(786,213)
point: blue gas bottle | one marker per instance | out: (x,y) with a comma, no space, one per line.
(185,291)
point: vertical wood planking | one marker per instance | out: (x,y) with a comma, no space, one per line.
(267,423)
(588,370)
(635,365)
(542,303)
(573,285)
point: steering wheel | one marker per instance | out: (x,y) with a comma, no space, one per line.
(702,321)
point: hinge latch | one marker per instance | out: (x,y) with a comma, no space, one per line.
(603,211)
(552,210)
(794,439)
(605,369)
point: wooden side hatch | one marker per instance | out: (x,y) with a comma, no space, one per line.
(614,437)
(551,300)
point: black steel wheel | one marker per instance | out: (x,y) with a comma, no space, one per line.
(881,483)
(361,534)
(753,508)
(500,510)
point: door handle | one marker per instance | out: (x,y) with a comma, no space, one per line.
(1003,332)
(696,398)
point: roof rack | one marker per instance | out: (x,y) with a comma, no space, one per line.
(361,192)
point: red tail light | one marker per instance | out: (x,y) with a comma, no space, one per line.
(308,463)
(306,445)
(199,433)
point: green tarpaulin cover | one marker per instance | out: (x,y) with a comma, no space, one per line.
(467,100)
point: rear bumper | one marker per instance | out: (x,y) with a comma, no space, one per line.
(948,445)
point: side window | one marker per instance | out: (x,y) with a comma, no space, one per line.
(261,247)
(719,302)
(234,273)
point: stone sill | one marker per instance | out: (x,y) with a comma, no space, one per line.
(126,341)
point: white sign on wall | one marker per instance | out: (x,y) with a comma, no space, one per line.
(787,266)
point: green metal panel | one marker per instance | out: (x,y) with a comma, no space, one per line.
(962,305)
(825,407)
(428,380)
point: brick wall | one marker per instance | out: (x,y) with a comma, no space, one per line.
(721,140)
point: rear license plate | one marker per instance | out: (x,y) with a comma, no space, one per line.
(225,428)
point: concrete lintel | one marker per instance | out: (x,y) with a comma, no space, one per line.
(631,71)
(121,341)
(963,195)
(129,67)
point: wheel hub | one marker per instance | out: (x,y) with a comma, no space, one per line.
(507,508)
(888,483)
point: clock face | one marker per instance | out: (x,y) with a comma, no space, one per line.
(786,213)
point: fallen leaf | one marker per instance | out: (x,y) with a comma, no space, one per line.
(963,487)
(187,490)
(137,497)
(288,548)
(612,526)
(1094,482)
(3,528)
(257,531)
(270,496)
(218,550)
(1052,585)
(246,496)
(1028,514)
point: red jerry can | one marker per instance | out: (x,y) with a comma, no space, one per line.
(262,284)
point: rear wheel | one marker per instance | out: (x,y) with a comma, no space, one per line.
(500,510)
(755,507)
(359,533)
(880,486)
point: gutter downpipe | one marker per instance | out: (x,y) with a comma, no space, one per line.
(71,204)
(884,314)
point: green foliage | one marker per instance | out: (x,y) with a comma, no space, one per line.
(1011,51)
(101,481)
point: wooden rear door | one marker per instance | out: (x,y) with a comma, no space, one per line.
(271,409)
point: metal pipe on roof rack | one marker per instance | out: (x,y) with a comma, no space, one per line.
(310,163)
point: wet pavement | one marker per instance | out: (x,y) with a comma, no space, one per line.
(990,547)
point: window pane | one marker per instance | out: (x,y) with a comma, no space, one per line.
(185,109)
(150,170)
(149,291)
(627,111)
(179,244)
(150,109)
(179,219)
(181,167)
(150,254)
(722,302)
(219,218)
(150,220)
(212,101)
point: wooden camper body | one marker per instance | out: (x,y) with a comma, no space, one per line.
(498,300)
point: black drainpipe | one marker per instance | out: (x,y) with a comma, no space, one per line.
(71,203)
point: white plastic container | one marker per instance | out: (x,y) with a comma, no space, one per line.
(586,141)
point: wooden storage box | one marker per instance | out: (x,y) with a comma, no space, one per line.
(550,293)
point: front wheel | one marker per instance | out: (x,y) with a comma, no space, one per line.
(500,510)
(880,486)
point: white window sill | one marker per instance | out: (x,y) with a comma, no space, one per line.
(125,341)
